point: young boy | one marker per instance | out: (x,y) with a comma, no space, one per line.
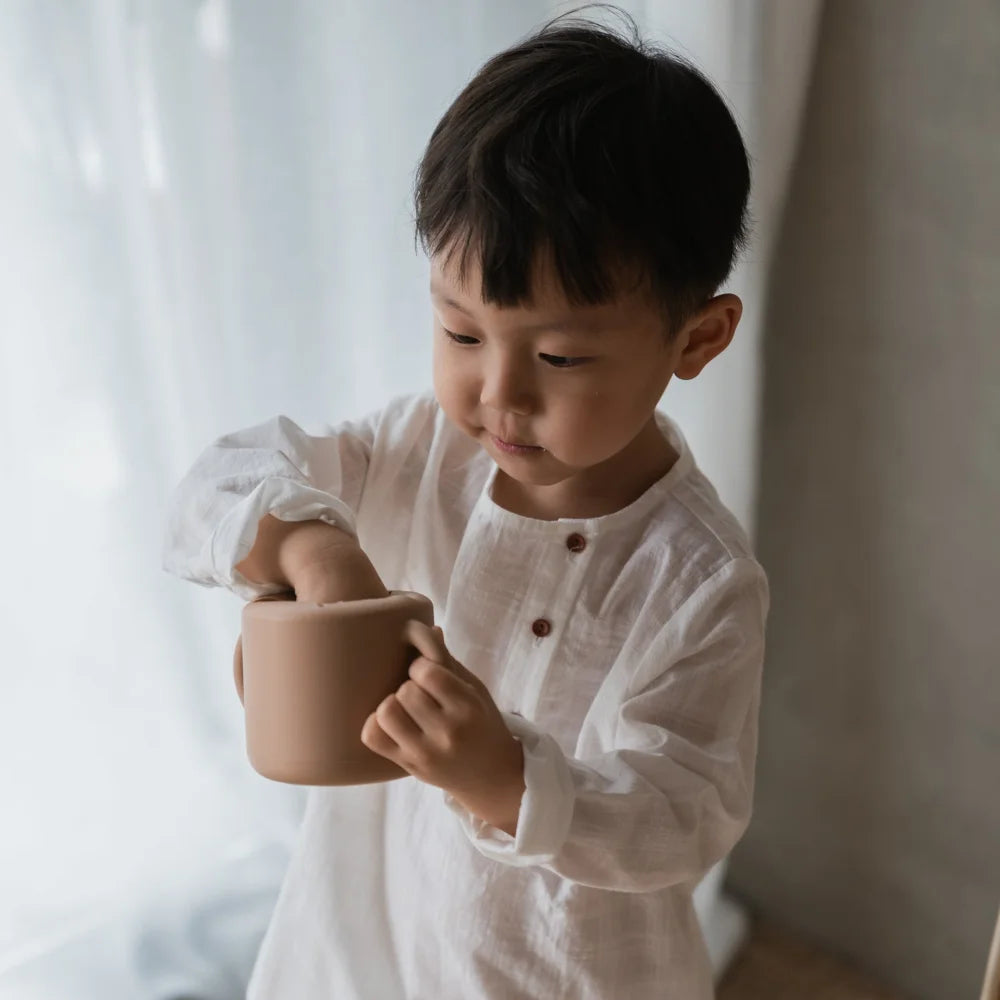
(580,735)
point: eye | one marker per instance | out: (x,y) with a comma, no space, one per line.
(460,338)
(553,360)
(557,362)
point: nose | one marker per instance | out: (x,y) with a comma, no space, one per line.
(506,386)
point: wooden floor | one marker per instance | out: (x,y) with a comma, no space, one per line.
(776,965)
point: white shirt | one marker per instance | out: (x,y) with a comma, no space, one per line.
(637,713)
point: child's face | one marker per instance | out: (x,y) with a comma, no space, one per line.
(578,383)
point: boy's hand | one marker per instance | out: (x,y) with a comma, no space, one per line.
(443,727)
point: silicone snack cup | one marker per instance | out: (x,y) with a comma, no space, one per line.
(310,674)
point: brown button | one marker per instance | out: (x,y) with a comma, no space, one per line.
(541,627)
(576,543)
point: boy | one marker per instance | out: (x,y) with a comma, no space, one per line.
(580,735)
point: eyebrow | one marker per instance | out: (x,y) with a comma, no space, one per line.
(447,300)
(566,323)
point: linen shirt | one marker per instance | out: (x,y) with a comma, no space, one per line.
(625,652)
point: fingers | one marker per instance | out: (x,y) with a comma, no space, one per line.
(420,704)
(388,728)
(397,722)
(378,740)
(428,641)
(399,726)
(438,681)
(464,673)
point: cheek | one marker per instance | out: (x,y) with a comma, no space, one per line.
(585,425)
(450,386)
(442,384)
(597,424)
(436,361)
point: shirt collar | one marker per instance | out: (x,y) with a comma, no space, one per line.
(635,511)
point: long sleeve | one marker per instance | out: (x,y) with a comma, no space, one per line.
(670,791)
(271,468)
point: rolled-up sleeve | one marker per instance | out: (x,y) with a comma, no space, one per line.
(671,792)
(274,468)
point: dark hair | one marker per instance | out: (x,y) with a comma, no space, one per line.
(603,150)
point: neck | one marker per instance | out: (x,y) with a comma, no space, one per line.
(597,491)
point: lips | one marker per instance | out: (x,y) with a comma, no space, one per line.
(513,441)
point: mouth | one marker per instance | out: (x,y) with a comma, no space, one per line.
(514,447)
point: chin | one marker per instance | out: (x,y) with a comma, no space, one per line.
(530,474)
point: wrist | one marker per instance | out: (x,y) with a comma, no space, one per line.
(327,568)
(301,545)
(500,804)
(281,548)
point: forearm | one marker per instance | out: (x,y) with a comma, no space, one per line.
(629,835)
(281,546)
(317,560)
(629,826)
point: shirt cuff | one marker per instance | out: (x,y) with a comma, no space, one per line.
(287,500)
(546,804)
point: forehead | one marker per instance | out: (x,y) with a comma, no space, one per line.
(547,300)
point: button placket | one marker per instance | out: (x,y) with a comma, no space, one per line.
(575,543)
(564,568)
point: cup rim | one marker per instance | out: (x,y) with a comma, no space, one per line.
(365,605)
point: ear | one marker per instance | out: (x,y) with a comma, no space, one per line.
(708,334)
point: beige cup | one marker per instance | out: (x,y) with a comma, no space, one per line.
(310,674)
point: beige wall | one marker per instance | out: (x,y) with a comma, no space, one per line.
(877,820)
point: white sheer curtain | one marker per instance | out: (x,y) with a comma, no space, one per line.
(205,221)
